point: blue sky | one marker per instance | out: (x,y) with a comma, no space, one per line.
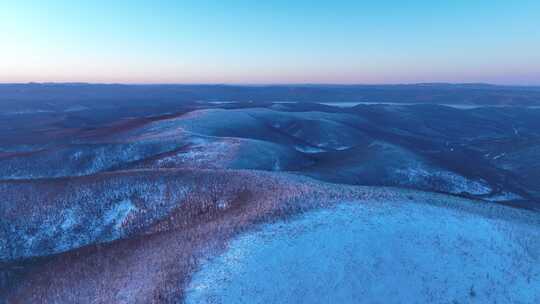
(270,41)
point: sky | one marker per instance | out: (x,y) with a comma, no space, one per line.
(254,42)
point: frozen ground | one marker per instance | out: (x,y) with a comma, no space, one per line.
(377,253)
(227,203)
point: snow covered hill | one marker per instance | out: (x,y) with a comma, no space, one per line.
(377,252)
(273,202)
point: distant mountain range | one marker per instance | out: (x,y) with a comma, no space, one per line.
(60,96)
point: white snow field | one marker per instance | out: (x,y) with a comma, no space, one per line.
(377,253)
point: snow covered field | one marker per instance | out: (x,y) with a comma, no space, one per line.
(377,253)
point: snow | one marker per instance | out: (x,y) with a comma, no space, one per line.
(277,166)
(86,216)
(76,108)
(83,159)
(376,253)
(70,219)
(66,232)
(26,112)
(341,148)
(505,196)
(308,149)
(118,213)
(499,156)
(442,180)
(203,152)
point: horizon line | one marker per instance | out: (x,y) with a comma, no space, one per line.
(265,84)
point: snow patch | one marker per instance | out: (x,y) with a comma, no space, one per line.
(440,180)
(341,148)
(504,196)
(308,149)
(118,213)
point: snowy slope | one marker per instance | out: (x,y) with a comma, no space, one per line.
(377,253)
